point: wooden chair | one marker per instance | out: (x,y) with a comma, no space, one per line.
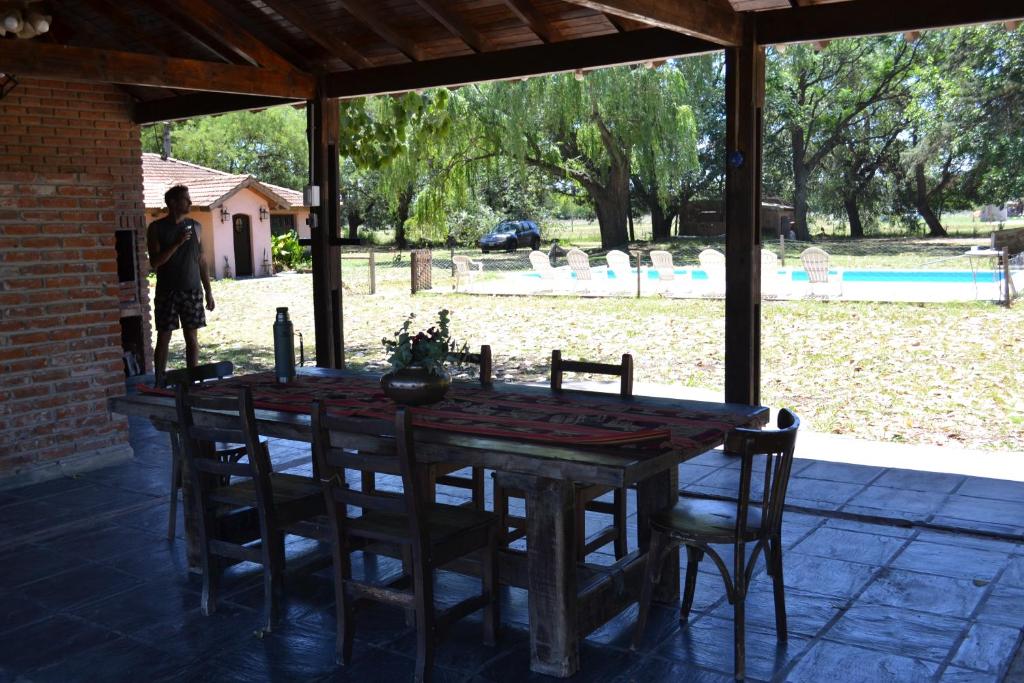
(700,523)
(586,496)
(430,535)
(209,372)
(239,503)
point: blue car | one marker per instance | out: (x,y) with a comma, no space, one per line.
(510,235)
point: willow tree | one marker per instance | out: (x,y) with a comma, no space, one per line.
(593,132)
(397,139)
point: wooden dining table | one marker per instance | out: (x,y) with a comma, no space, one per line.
(541,442)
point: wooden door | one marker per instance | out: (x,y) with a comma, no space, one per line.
(243,246)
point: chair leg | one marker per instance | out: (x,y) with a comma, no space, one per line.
(779,588)
(655,554)
(693,558)
(342,571)
(501,509)
(425,640)
(620,498)
(478,488)
(739,635)
(409,571)
(492,613)
(172,515)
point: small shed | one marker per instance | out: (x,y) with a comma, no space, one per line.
(237,213)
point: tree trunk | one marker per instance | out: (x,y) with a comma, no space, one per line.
(611,203)
(800,174)
(922,204)
(853,213)
(354,221)
(661,222)
(629,221)
(402,215)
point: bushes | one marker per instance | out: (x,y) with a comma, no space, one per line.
(287,253)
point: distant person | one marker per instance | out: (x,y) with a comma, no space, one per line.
(176,254)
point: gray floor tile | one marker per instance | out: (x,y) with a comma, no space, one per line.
(950,560)
(967,541)
(914,480)
(851,546)
(707,643)
(988,648)
(1014,574)
(873,529)
(838,471)
(979,487)
(806,613)
(834,492)
(838,662)
(824,576)
(1004,607)
(955,674)
(972,525)
(983,510)
(901,632)
(884,502)
(924,592)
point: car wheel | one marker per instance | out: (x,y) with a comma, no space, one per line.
(535,243)
(511,246)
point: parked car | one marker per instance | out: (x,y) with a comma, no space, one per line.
(510,235)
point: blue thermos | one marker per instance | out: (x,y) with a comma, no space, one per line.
(284,347)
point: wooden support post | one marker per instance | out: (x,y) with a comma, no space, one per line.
(1007,282)
(373,272)
(322,132)
(744,92)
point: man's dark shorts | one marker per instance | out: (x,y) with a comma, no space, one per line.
(184,305)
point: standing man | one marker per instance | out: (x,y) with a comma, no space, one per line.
(177,256)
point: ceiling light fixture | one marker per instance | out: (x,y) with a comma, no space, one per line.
(20,20)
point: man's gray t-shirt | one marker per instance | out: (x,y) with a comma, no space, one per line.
(181,271)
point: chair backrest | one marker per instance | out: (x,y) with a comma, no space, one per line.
(618,261)
(461,263)
(541,263)
(815,262)
(580,264)
(769,262)
(482,360)
(624,371)
(233,422)
(369,446)
(711,257)
(200,373)
(777,446)
(662,262)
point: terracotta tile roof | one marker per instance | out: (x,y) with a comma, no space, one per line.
(208,187)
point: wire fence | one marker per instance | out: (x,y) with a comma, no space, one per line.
(964,267)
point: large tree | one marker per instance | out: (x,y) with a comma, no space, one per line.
(815,96)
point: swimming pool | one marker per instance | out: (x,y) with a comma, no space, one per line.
(909,276)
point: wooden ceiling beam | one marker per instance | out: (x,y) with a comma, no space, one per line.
(457,25)
(381,28)
(585,53)
(201,104)
(529,15)
(336,46)
(871,17)
(203,19)
(30,58)
(696,18)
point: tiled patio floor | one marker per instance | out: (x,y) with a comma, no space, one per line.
(892,575)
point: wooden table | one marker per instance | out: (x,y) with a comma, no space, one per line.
(566,601)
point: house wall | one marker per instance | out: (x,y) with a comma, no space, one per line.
(70,176)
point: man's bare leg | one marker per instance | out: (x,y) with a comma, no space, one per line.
(191,347)
(163,340)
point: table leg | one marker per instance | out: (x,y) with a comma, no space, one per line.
(658,492)
(551,557)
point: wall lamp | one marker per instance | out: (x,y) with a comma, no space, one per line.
(224,215)
(263,213)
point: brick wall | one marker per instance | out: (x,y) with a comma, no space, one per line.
(70,176)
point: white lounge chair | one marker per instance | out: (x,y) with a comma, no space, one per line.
(619,264)
(542,266)
(662,262)
(712,262)
(773,284)
(466,270)
(580,264)
(820,277)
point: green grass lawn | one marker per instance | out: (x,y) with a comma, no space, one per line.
(935,373)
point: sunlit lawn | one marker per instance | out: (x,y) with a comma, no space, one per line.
(935,373)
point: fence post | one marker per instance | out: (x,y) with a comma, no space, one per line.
(639,263)
(782,249)
(1006,276)
(373,272)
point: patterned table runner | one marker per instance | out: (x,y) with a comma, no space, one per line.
(475,410)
